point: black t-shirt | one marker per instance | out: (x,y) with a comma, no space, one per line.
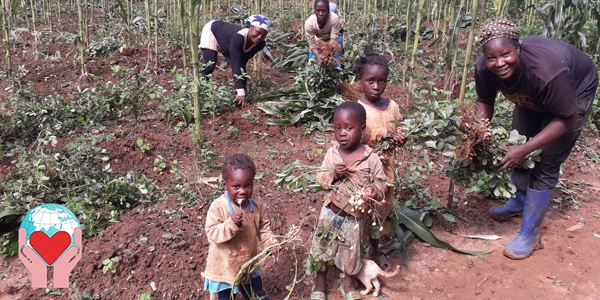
(554,75)
(232,43)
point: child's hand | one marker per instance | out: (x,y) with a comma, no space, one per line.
(398,138)
(237,217)
(369,193)
(339,171)
(276,249)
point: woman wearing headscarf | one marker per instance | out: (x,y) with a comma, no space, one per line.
(553,85)
(323,25)
(237,44)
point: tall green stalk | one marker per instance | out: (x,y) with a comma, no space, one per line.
(467,66)
(5,32)
(415,47)
(257,59)
(155,34)
(79,43)
(148,33)
(32,14)
(194,30)
(407,40)
(183,32)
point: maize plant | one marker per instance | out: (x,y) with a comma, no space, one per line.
(564,20)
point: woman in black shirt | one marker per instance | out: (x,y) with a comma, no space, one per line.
(237,44)
(553,85)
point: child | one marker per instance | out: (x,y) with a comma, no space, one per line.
(382,114)
(353,166)
(233,224)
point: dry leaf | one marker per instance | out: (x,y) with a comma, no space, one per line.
(483,237)
(575,227)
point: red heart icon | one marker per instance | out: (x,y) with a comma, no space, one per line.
(50,248)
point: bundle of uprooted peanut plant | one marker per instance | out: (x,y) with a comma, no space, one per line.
(474,160)
(364,205)
(328,51)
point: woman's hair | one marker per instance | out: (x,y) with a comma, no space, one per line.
(235,162)
(359,111)
(368,59)
(322,1)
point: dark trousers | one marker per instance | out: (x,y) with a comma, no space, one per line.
(545,174)
(250,291)
(209,57)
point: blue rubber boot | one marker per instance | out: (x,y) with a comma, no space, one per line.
(512,208)
(528,239)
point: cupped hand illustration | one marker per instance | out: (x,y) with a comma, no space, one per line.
(32,261)
(67,261)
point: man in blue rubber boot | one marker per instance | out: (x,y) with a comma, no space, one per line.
(553,85)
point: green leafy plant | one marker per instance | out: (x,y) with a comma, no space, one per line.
(294,56)
(159,164)
(432,123)
(299,177)
(142,145)
(248,115)
(232,132)
(133,91)
(104,47)
(109,264)
(473,164)
(145,296)
(564,20)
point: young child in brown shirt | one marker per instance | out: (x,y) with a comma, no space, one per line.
(235,224)
(354,167)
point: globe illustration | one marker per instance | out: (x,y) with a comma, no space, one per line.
(50,219)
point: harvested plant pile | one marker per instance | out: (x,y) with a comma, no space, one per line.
(328,51)
(474,161)
(477,133)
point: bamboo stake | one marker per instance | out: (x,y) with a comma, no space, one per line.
(194,28)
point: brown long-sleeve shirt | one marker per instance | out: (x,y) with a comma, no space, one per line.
(367,171)
(229,245)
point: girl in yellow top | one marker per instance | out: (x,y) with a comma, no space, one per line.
(372,71)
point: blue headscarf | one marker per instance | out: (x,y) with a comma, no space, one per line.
(259,21)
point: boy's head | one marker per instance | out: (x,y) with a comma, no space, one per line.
(349,122)
(238,172)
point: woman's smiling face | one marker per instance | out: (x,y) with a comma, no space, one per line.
(257,34)
(502,58)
